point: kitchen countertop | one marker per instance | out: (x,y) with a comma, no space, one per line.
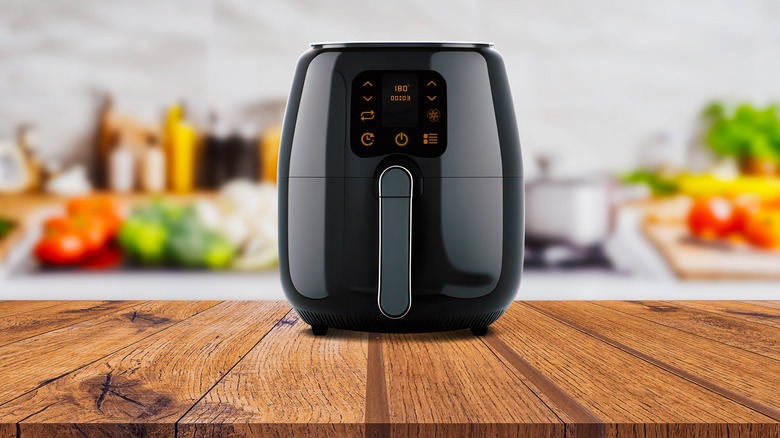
(252,368)
(22,208)
(642,273)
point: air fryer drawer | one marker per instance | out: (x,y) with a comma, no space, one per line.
(456,236)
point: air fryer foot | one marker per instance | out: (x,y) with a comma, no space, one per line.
(319,329)
(479,331)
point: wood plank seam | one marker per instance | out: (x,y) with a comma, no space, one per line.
(514,371)
(49,381)
(130,305)
(763,303)
(282,320)
(717,389)
(584,422)
(56,303)
(377,410)
(693,333)
(734,315)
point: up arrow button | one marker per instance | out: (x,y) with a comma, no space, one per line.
(431,84)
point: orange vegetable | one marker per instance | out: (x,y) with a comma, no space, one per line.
(763,229)
(94,231)
(103,207)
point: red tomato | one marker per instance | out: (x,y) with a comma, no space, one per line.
(62,248)
(105,259)
(745,206)
(93,231)
(763,229)
(711,218)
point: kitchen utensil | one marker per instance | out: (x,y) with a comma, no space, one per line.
(400,188)
(574,211)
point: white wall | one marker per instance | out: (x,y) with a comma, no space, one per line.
(591,79)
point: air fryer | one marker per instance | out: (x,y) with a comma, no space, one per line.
(400,188)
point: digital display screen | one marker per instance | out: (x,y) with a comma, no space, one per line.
(398,112)
(399,100)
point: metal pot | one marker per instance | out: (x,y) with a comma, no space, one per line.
(574,211)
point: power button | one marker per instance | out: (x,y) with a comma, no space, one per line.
(401,139)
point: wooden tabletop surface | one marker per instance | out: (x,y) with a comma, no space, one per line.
(253,369)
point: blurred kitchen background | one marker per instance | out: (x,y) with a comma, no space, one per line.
(138,141)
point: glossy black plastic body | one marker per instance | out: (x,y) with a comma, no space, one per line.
(467,225)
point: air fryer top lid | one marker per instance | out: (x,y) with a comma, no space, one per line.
(400,44)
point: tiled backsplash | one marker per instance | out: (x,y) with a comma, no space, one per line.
(592,81)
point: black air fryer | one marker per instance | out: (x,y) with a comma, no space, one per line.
(400,188)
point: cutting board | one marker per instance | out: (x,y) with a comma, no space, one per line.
(695,260)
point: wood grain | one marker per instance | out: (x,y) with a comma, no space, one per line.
(7,430)
(252,369)
(27,324)
(773,304)
(8,308)
(89,430)
(728,330)
(37,361)
(617,387)
(452,385)
(291,384)
(747,378)
(153,382)
(746,311)
(579,420)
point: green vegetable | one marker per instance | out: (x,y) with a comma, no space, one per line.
(6,225)
(187,249)
(197,247)
(220,253)
(659,185)
(162,233)
(745,132)
(144,239)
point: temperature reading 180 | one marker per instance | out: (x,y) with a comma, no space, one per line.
(399,100)
(400,88)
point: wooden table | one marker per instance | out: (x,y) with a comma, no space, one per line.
(546,369)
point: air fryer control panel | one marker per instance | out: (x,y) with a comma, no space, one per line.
(398,111)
